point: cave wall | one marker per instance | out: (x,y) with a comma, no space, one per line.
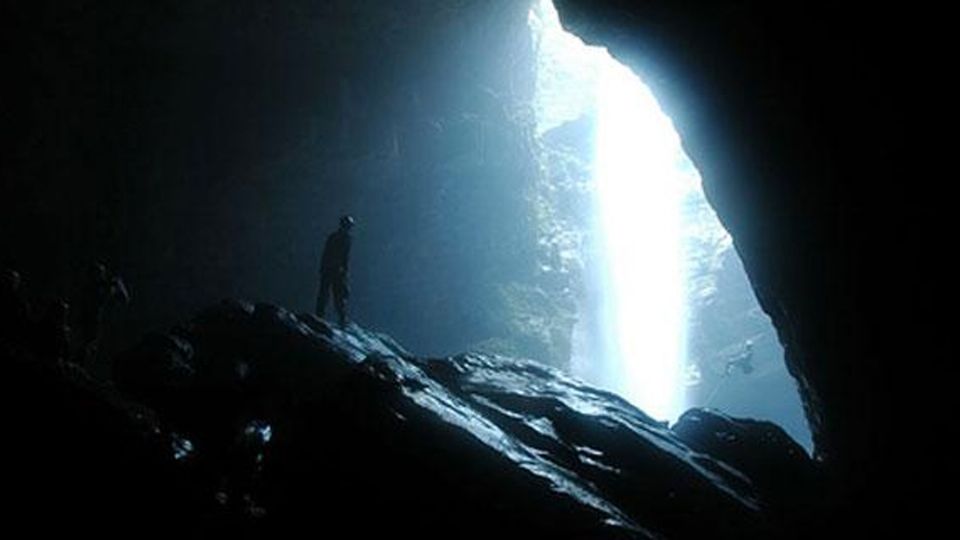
(204,150)
(781,110)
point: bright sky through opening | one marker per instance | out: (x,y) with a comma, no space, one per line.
(640,179)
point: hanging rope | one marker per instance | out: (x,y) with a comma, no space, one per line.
(716,389)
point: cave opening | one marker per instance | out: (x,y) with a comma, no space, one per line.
(666,316)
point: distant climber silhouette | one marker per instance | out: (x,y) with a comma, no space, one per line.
(334,270)
(743,361)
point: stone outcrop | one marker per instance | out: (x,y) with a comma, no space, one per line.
(252,420)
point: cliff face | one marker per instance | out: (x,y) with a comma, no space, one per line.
(778,109)
(251,420)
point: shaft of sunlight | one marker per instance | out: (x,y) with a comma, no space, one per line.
(639,201)
(640,178)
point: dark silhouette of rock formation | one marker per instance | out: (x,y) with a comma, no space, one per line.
(250,420)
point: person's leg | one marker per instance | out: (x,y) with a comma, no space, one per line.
(340,299)
(323,295)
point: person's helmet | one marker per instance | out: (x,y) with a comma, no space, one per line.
(346,222)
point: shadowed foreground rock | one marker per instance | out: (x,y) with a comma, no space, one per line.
(258,422)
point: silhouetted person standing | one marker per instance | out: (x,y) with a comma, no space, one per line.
(334,270)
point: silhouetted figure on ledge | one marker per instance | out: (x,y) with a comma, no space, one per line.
(99,291)
(334,268)
(743,362)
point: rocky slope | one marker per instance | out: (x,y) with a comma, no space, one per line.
(251,420)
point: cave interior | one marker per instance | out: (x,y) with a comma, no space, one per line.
(205,149)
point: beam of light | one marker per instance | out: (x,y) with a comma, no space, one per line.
(639,201)
(640,180)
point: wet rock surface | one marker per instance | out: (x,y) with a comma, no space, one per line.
(253,421)
(787,481)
